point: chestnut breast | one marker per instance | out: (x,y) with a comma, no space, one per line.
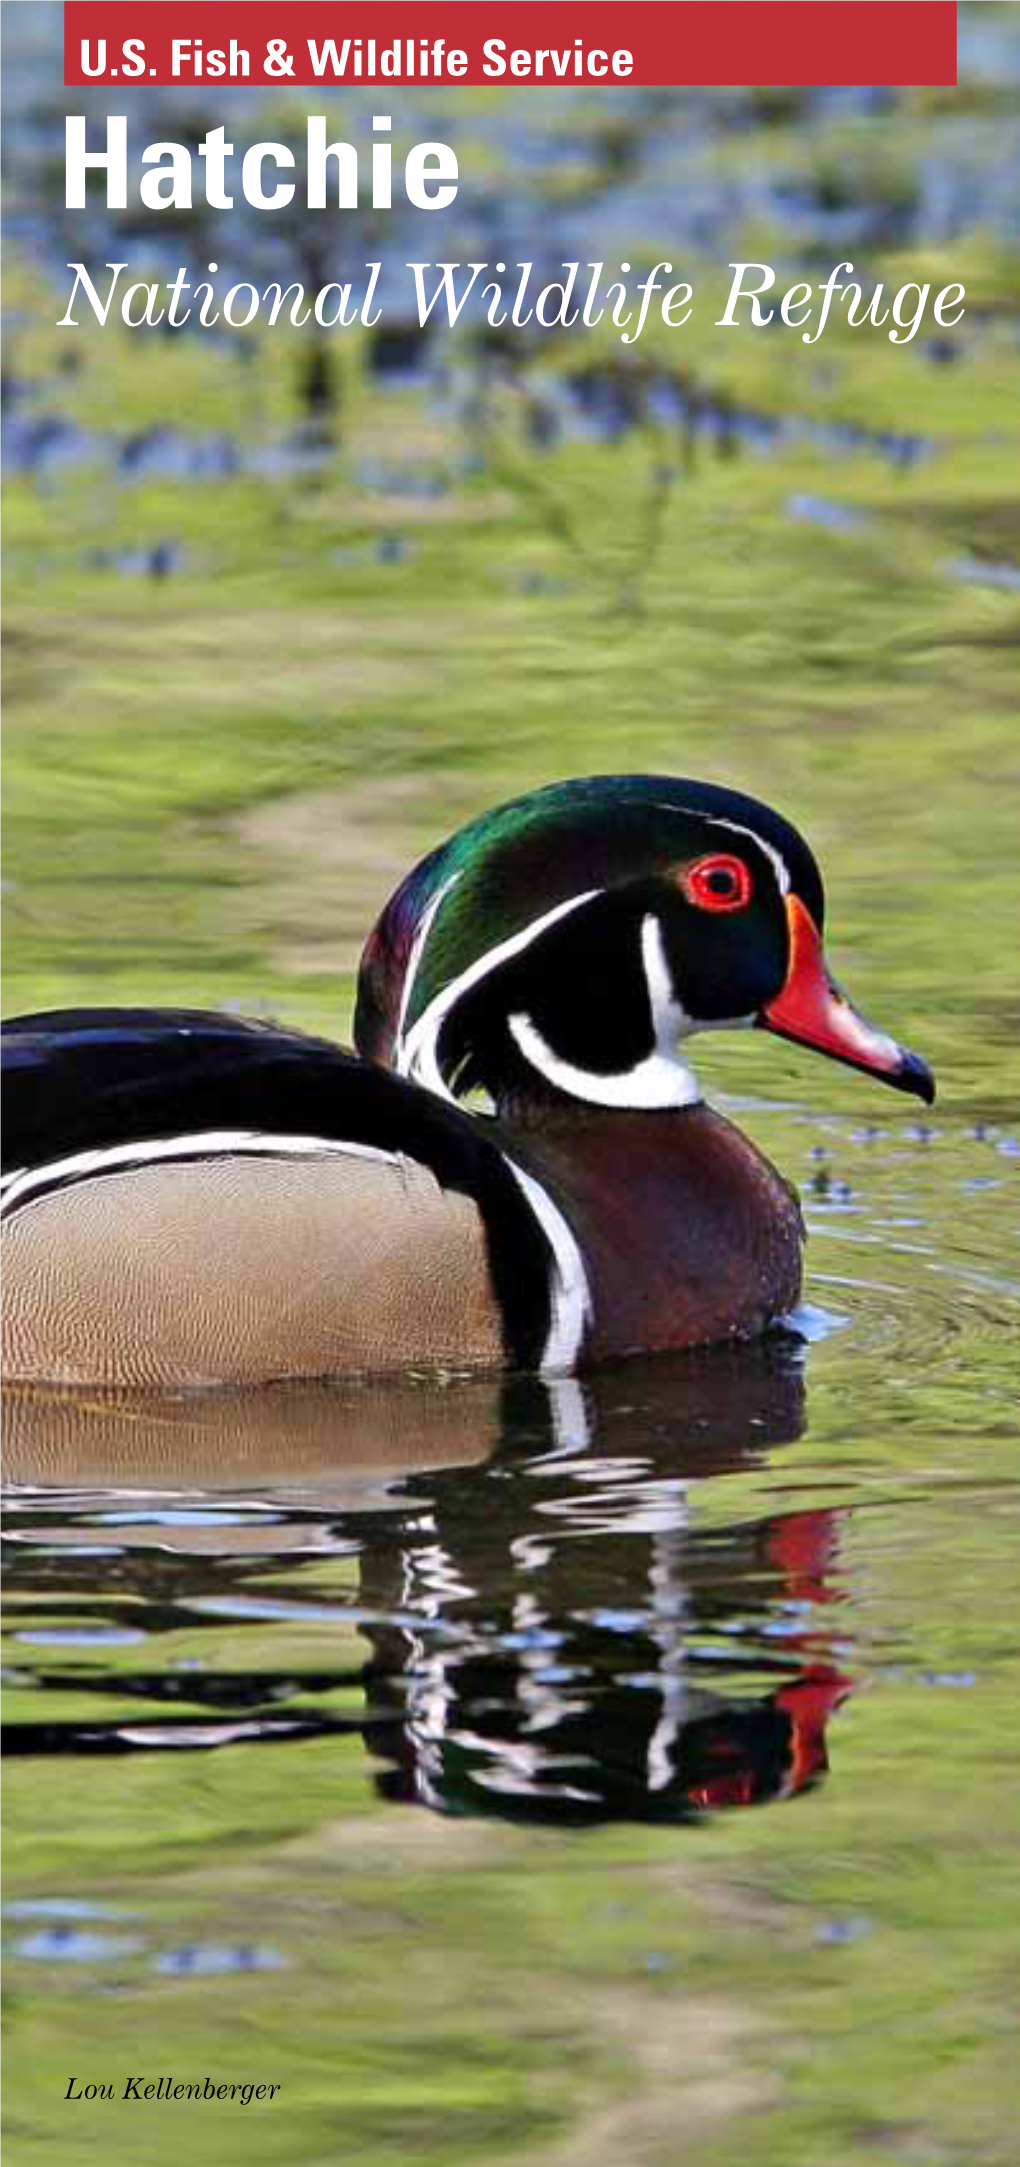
(689,1234)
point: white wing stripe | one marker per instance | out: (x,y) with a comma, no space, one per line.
(417,946)
(416,1054)
(204,1143)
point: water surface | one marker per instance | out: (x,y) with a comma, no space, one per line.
(464,1755)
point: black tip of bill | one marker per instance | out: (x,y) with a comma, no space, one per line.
(915,1075)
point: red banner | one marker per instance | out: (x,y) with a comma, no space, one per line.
(508,42)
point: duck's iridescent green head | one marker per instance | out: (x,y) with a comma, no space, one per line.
(571,940)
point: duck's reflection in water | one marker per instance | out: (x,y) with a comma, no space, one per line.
(568,1618)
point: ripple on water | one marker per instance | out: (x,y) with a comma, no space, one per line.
(204,1959)
(71,1945)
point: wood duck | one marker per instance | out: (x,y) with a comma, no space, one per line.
(191,1198)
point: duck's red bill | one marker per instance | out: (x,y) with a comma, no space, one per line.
(812,1011)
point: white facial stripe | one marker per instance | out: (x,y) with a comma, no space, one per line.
(416,1054)
(667,1012)
(570,1306)
(418,944)
(205,1143)
(717,820)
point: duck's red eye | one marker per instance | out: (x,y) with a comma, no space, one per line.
(717,883)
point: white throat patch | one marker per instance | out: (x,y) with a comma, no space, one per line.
(661,1080)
